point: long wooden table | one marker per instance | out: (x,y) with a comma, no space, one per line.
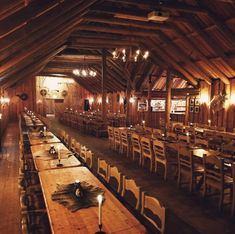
(43,160)
(116,218)
(36,139)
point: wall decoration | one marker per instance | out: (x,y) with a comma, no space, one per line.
(197,102)
(158,105)
(23,96)
(64,93)
(43,92)
(142,106)
(217,102)
(191,109)
(196,109)
(178,106)
(192,101)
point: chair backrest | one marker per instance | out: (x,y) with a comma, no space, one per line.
(135,141)
(83,151)
(110,132)
(62,134)
(182,138)
(152,204)
(117,176)
(89,158)
(117,136)
(157,132)
(185,159)
(130,185)
(124,137)
(148,130)
(159,149)
(213,169)
(172,136)
(77,148)
(201,142)
(103,169)
(146,145)
(72,144)
(66,139)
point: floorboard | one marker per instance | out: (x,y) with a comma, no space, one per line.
(9,195)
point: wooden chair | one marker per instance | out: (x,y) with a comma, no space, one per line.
(148,130)
(157,132)
(89,159)
(72,144)
(83,151)
(136,147)
(129,186)
(201,143)
(172,136)
(77,148)
(214,177)
(162,157)
(111,137)
(183,138)
(66,139)
(146,151)
(115,179)
(125,144)
(152,204)
(233,199)
(103,169)
(117,139)
(188,168)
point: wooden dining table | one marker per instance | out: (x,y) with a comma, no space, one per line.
(116,218)
(43,160)
(36,139)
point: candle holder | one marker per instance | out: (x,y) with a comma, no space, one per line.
(100,231)
(59,164)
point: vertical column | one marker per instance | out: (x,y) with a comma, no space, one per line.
(103,80)
(149,101)
(186,119)
(168,99)
(128,95)
(225,116)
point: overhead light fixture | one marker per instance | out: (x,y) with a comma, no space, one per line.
(159,16)
(128,55)
(84,71)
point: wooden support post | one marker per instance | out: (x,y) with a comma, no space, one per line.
(104,92)
(186,119)
(228,91)
(168,99)
(149,101)
(128,95)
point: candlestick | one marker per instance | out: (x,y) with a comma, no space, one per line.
(59,153)
(187,134)
(209,122)
(143,122)
(100,198)
(44,130)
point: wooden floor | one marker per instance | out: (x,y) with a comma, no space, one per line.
(9,195)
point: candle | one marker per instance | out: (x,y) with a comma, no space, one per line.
(100,198)
(44,130)
(209,122)
(58,152)
(187,134)
(143,122)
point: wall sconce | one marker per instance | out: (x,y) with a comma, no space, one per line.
(107,100)
(91,100)
(0,115)
(4,100)
(99,100)
(132,100)
(204,98)
(232,99)
(121,100)
(39,101)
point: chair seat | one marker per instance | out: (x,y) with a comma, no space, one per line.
(228,180)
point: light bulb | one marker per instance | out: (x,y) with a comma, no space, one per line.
(124,51)
(84,73)
(137,52)
(146,54)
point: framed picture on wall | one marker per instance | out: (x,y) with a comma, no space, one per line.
(191,102)
(197,102)
(196,109)
(191,108)
(142,106)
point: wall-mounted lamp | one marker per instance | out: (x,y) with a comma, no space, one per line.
(4,100)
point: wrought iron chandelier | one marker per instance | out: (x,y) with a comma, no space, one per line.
(128,55)
(84,72)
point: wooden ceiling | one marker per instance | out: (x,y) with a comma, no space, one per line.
(48,37)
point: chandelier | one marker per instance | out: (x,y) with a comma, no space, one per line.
(84,72)
(128,55)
